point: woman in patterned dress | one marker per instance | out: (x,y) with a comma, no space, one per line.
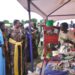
(16,38)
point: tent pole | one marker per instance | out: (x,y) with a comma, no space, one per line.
(62,15)
(38,9)
(30,35)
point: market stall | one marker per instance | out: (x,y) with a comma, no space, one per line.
(60,63)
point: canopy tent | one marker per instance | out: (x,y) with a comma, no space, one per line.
(49,9)
(52,9)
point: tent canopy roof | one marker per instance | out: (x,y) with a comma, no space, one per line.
(54,9)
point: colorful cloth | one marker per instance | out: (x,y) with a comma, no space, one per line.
(16,72)
(16,36)
(2,58)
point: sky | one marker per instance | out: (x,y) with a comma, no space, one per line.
(11,9)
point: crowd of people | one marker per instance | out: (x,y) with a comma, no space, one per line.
(15,48)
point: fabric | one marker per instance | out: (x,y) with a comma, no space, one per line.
(49,23)
(6,52)
(16,72)
(66,36)
(2,58)
(62,37)
(55,72)
(71,35)
(17,34)
(34,47)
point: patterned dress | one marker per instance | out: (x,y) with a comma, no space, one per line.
(17,36)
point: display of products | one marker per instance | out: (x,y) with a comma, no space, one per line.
(61,60)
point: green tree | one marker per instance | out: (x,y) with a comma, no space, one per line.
(22,21)
(34,20)
(27,21)
(6,22)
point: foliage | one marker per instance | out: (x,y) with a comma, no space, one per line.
(6,22)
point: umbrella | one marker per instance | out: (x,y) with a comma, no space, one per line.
(52,9)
